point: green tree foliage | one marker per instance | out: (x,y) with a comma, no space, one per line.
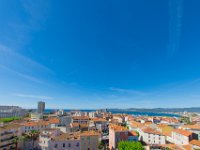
(9,119)
(32,135)
(125,145)
(18,139)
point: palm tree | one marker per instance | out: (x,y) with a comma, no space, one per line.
(33,135)
(18,139)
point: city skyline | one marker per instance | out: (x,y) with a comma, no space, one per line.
(100,54)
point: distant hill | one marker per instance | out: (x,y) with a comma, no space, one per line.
(192,109)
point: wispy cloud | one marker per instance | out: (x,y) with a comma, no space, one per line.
(11,57)
(175,23)
(21,65)
(32,96)
(129,91)
(25,76)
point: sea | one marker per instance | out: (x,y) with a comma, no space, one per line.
(134,113)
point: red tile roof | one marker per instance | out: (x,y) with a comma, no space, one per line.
(182,132)
(195,142)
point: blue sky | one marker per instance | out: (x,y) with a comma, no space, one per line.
(96,54)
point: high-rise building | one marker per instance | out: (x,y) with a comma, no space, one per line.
(41,107)
(12,111)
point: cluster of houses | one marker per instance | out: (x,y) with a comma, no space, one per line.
(86,130)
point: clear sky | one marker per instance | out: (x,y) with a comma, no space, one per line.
(100,53)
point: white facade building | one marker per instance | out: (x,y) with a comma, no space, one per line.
(181,137)
(151,136)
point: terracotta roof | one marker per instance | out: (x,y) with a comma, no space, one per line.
(89,133)
(182,132)
(135,124)
(84,125)
(170,120)
(34,123)
(43,123)
(30,124)
(151,131)
(194,127)
(177,147)
(53,120)
(65,137)
(117,128)
(81,117)
(9,127)
(98,120)
(195,142)
(132,133)
(75,124)
(148,123)
(187,147)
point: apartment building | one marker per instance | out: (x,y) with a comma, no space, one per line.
(181,137)
(36,126)
(7,134)
(152,136)
(65,120)
(136,126)
(89,140)
(192,128)
(116,134)
(41,107)
(53,139)
(36,116)
(80,119)
(120,118)
(99,123)
(12,111)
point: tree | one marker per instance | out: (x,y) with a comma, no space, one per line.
(126,145)
(33,135)
(100,146)
(18,139)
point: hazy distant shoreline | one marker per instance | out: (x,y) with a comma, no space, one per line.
(116,111)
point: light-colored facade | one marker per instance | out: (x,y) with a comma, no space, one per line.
(192,128)
(7,134)
(181,137)
(99,123)
(81,119)
(53,139)
(117,134)
(119,118)
(65,120)
(152,136)
(36,116)
(36,126)
(12,111)
(89,140)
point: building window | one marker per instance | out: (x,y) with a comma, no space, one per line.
(69,145)
(63,144)
(77,144)
(56,145)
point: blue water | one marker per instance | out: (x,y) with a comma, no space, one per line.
(122,112)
